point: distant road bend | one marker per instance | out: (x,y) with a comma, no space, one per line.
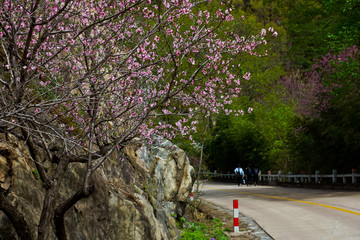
(293,213)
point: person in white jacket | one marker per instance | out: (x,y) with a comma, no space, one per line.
(239,172)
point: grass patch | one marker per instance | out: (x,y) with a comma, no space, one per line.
(202,230)
(210,222)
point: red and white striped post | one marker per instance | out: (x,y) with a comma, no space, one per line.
(236,215)
(192,194)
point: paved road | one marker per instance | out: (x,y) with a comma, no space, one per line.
(293,213)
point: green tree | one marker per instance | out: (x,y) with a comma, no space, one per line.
(316,27)
(235,141)
(331,140)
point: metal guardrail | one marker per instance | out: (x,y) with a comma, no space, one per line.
(295,178)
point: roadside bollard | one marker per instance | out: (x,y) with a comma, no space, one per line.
(334,175)
(236,215)
(353,172)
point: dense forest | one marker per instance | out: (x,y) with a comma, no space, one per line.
(304,95)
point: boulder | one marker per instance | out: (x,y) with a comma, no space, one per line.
(137,196)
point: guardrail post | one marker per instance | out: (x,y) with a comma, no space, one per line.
(317,176)
(279,176)
(289,177)
(353,172)
(236,215)
(334,175)
(344,179)
(302,177)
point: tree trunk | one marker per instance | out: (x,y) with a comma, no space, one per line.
(16,218)
(60,211)
(47,212)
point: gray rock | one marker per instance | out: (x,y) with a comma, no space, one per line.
(137,198)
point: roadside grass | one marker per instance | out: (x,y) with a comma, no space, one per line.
(200,223)
(203,229)
(211,223)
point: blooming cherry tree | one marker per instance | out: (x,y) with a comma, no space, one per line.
(313,91)
(80,79)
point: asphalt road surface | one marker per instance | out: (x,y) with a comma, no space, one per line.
(293,213)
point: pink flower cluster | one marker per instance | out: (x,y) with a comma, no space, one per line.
(118,69)
(312,90)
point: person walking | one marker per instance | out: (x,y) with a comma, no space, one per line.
(249,175)
(239,172)
(256,175)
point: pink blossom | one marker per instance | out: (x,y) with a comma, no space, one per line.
(247,76)
(263,32)
(192,61)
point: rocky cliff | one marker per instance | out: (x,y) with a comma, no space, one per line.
(136,198)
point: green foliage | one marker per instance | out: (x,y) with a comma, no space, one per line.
(258,138)
(202,231)
(332,140)
(304,22)
(316,27)
(235,140)
(274,136)
(274,119)
(344,29)
(261,138)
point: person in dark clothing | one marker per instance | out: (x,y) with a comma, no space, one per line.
(239,172)
(256,175)
(249,175)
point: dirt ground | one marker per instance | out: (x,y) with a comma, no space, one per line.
(207,211)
